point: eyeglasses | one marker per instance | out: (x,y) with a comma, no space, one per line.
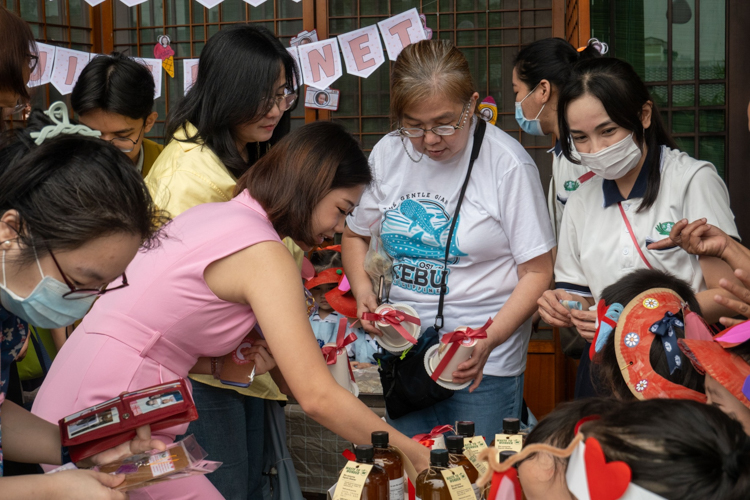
(126,144)
(441,130)
(20,106)
(82,293)
(283,102)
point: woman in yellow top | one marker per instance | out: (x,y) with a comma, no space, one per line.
(230,117)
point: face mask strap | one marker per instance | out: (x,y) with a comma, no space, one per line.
(38,264)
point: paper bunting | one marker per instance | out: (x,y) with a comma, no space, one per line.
(209,4)
(43,71)
(321,63)
(189,73)
(401,30)
(94,3)
(255,3)
(132,3)
(362,51)
(295,54)
(67,69)
(154,66)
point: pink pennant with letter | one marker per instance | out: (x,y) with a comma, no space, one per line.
(362,51)
(400,31)
(320,63)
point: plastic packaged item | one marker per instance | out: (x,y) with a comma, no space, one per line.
(388,459)
(181,459)
(377,261)
(455,445)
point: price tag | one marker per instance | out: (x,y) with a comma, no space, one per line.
(458,484)
(472,447)
(352,481)
(512,442)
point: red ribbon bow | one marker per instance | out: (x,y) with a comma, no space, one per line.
(455,338)
(330,352)
(394,318)
(428,439)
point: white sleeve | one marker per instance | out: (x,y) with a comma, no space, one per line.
(569,274)
(367,212)
(706,195)
(523,213)
(551,202)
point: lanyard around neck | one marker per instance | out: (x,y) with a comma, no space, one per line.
(632,236)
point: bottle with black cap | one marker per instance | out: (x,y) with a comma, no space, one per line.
(387,458)
(430,483)
(376,485)
(465,428)
(511,438)
(505,455)
(455,445)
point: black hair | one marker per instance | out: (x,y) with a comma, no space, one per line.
(623,94)
(679,449)
(550,59)
(19,50)
(325,259)
(606,372)
(71,190)
(237,75)
(114,84)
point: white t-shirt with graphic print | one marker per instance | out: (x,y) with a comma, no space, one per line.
(503,223)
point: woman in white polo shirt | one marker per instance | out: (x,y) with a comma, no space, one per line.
(500,259)
(644,184)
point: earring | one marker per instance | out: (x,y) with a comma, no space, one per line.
(7,243)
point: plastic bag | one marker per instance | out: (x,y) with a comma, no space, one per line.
(377,261)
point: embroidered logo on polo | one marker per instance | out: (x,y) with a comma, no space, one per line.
(664,228)
(571,185)
(414,234)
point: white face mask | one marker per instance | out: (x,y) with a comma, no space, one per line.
(614,161)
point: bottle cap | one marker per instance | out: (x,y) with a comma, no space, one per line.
(380,439)
(511,426)
(465,428)
(364,453)
(455,444)
(505,455)
(439,458)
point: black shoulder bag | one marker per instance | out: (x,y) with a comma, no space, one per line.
(406,385)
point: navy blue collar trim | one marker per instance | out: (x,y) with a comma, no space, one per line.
(612,193)
(558,148)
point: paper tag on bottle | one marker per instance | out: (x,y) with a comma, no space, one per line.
(352,481)
(397,488)
(161,464)
(472,447)
(458,484)
(512,442)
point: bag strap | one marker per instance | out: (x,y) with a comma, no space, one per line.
(41,353)
(478,137)
(632,236)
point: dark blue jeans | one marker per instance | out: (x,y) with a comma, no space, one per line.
(230,429)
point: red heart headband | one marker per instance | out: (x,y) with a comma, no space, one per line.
(633,346)
(454,339)
(394,318)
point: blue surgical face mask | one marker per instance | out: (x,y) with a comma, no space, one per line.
(532,127)
(45,306)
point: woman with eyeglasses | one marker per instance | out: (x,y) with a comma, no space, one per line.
(115,95)
(18,58)
(500,260)
(236,110)
(73,214)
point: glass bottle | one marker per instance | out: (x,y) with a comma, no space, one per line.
(465,428)
(376,485)
(455,445)
(430,483)
(387,458)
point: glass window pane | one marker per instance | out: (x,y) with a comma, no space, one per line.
(683,40)
(683,121)
(659,94)
(713,38)
(288,9)
(712,120)
(686,144)
(233,10)
(683,95)
(712,149)
(79,13)
(342,8)
(712,94)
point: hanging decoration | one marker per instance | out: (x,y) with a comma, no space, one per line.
(154,66)
(164,51)
(362,51)
(401,30)
(189,73)
(67,68)
(43,71)
(320,63)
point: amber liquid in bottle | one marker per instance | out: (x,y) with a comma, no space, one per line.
(455,445)
(388,459)
(376,484)
(430,483)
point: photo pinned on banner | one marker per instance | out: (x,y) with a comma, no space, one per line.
(189,73)
(295,55)
(362,51)
(320,63)
(427,29)
(401,30)
(67,68)
(154,66)
(322,99)
(43,71)
(488,110)
(303,38)
(164,51)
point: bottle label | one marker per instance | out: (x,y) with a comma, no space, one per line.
(458,484)
(512,442)
(352,481)
(397,488)
(477,491)
(472,447)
